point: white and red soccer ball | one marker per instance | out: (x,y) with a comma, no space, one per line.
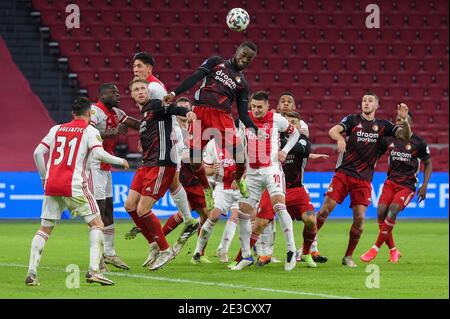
(238,19)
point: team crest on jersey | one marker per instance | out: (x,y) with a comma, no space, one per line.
(238,79)
(99,138)
(359,125)
(408,147)
(375,128)
(391,145)
(330,188)
(266,126)
(92,111)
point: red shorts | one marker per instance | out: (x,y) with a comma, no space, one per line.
(342,184)
(196,196)
(212,122)
(153,181)
(394,193)
(298,202)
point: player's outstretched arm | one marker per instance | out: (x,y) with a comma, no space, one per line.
(39,160)
(335,134)
(188,83)
(101,155)
(132,123)
(317,156)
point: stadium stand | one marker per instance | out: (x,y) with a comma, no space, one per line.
(25,120)
(319,50)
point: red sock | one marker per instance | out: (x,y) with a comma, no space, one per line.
(253,239)
(320,221)
(308,239)
(238,257)
(201,175)
(172,223)
(138,222)
(386,228)
(390,240)
(153,225)
(355,234)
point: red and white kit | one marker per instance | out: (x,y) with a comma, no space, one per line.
(224,195)
(263,168)
(104,120)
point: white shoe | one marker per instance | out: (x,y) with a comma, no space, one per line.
(245,262)
(348,261)
(152,254)
(222,255)
(298,255)
(275,260)
(163,257)
(97,277)
(291,262)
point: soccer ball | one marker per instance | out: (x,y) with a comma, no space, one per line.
(238,19)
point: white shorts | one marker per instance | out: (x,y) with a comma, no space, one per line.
(53,206)
(224,199)
(258,180)
(102,181)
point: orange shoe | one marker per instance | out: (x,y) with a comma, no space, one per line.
(394,255)
(263,260)
(369,255)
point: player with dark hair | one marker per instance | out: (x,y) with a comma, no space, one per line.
(111,121)
(358,154)
(405,155)
(143,63)
(67,185)
(154,177)
(298,202)
(223,83)
(264,172)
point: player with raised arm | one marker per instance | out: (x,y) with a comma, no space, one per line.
(405,155)
(264,172)
(143,64)
(220,164)
(111,122)
(67,185)
(223,84)
(154,177)
(358,154)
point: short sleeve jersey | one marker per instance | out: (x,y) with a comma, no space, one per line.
(363,140)
(222,85)
(404,159)
(103,120)
(264,153)
(70,146)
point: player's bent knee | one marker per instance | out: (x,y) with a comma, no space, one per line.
(93,220)
(48,223)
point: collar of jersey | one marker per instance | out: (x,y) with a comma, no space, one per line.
(101,106)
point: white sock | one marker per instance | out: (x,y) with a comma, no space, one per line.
(266,239)
(286,225)
(108,234)
(271,231)
(37,246)
(227,236)
(315,245)
(96,241)
(245,231)
(203,238)
(180,198)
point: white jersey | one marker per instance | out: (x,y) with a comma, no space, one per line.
(304,129)
(103,120)
(157,90)
(264,153)
(70,147)
(213,155)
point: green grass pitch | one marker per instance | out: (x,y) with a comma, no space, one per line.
(421,273)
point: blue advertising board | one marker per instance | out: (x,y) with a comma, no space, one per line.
(21,196)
